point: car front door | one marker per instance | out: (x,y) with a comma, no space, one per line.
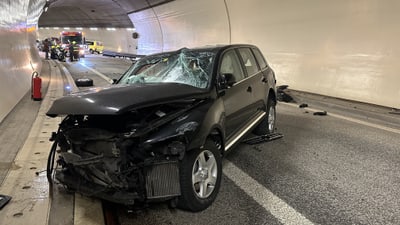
(237,98)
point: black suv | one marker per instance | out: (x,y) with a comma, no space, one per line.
(160,131)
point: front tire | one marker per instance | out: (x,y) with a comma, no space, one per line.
(267,125)
(200,177)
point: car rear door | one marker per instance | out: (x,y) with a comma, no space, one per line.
(255,80)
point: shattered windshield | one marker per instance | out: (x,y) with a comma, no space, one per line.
(191,67)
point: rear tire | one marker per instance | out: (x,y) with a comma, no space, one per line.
(200,177)
(267,125)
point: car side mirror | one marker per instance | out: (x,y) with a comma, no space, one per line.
(114,81)
(226,80)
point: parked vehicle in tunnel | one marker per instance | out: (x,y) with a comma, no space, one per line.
(69,37)
(94,47)
(160,131)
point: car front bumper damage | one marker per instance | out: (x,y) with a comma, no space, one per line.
(122,166)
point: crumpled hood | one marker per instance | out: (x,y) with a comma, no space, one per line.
(117,99)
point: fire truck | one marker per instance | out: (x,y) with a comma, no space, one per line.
(69,37)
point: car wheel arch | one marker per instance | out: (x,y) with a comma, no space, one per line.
(215,134)
(271,95)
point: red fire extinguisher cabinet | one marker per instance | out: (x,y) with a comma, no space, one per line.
(36,87)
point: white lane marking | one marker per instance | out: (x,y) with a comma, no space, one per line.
(72,85)
(109,80)
(270,202)
(394,130)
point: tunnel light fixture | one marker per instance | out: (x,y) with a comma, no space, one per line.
(46,6)
(79,28)
(93,28)
(131,29)
(110,28)
(56,28)
(66,28)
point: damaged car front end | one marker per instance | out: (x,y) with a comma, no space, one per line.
(123,158)
(160,132)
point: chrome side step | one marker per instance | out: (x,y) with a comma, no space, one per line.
(243,132)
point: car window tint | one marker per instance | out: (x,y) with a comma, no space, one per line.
(230,64)
(249,61)
(260,59)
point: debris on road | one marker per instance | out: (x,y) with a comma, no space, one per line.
(4,199)
(322,113)
(262,138)
(304,105)
(282,95)
(84,82)
(395,111)
(39,172)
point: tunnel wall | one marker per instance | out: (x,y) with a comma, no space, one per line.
(118,40)
(181,24)
(345,48)
(18,54)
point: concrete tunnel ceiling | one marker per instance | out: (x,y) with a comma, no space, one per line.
(93,13)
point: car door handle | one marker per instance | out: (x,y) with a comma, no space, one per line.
(264,80)
(249,89)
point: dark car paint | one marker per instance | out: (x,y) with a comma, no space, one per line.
(209,111)
(227,116)
(258,100)
(232,111)
(117,99)
(185,125)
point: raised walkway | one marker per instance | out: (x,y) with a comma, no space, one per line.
(24,138)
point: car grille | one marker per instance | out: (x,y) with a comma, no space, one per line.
(162,180)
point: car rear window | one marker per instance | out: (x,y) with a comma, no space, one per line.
(249,61)
(261,61)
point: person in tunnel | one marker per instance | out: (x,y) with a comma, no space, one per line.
(76,50)
(46,48)
(71,52)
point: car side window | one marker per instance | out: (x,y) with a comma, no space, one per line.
(230,64)
(249,61)
(260,59)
